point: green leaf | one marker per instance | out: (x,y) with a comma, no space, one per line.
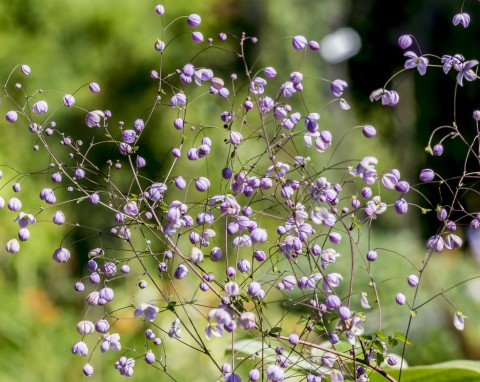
(380,335)
(453,371)
(171,306)
(403,338)
(276,329)
(378,346)
(379,358)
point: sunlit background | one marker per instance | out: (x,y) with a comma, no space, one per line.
(69,44)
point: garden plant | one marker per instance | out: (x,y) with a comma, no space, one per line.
(252,242)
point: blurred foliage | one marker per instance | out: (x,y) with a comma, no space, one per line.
(69,44)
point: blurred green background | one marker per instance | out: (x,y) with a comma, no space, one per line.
(69,44)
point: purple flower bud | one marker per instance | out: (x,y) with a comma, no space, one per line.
(275,373)
(178,123)
(435,243)
(390,98)
(23,234)
(14,204)
(92,265)
(333,338)
(197,37)
(369,131)
(61,255)
(68,100)
(389,181)
(231,289)
(400,299)
(125,148)
(476,115)
(299,42)
(79,287)
(102,326)
(109,269)
(217,83)
(259,235)
(392,360)
(202,184)
(437,150)
(367,192)
(80,348)
(156,191)
(259,255)
(196,255)
(451,226)
(269,72)
(231,272)
(12,246)
(254,375)
(459,320)
(192,154)
(344,313)
(25,69)
(88,370)
(94,198)
(40,107)
(427,175)
(159,45)
(125,268)
(94,87)
(334,237)
(314,45)
(255,289)
(105,295)
(160,9)
(56,177)
(412,281)
(178,99)
(58,218)
(11,116)
(372,255)
(181,272)
(194,20)
(328,360)
(85,327)
(401,206)
(293,339)
(453,241)
(248,105)
(402,187)
(222,36)
(139,125)
(337,87)
(203,151)
(404,41)
(333,302)
(176,152)
(461,18)
(149,357)
(180,183)
(243,265)
(93,118)
(235,138)
(162,267)
(129,136)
